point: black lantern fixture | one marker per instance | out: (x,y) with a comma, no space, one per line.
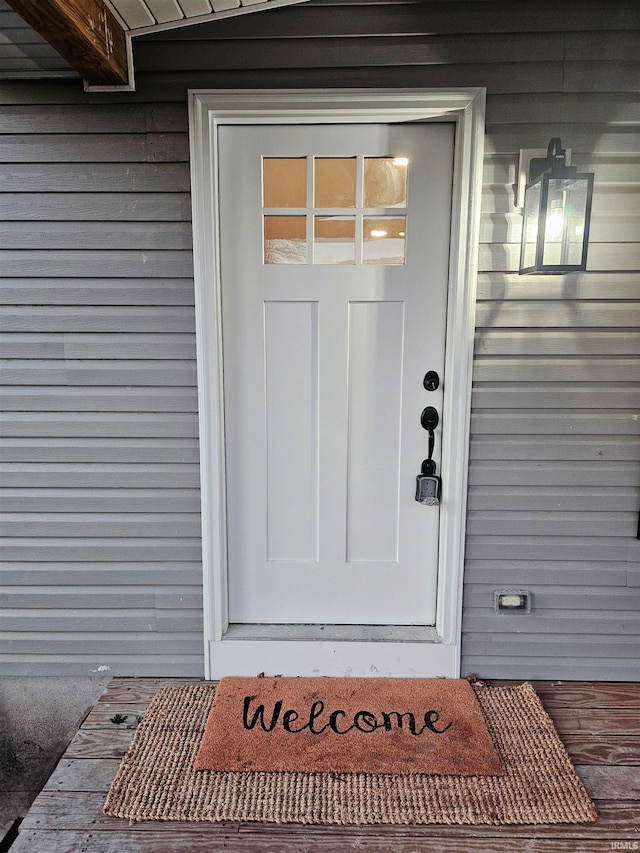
(557,210)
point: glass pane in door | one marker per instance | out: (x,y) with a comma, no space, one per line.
(285,239)
(384,240)
(284,181)
(385,181)
(334,182)
(334,240)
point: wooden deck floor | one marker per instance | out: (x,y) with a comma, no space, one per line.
(598,722)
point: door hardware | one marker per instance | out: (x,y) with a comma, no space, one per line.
(429,418)
(428,484)
(431,380)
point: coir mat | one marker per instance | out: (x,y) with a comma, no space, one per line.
(348,725)
(157,779)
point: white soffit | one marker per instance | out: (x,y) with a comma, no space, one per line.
(151,16)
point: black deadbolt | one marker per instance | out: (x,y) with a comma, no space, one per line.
(431,380)
(429,418)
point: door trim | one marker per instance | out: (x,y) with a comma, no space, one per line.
(207,111)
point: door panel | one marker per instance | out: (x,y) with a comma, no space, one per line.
(376,346)
(331,316)
(291,375)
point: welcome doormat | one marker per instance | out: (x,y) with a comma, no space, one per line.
(347,725)
(157,779)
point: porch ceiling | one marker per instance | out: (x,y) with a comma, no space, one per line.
(149,16)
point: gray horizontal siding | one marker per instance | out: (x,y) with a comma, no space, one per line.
(44,318)
(551,499)
(596,468)
(551,107)
(108,621)
(98,424)
(553,598)
(107,372)
(100,598)
(399,18)
(583,287)
(127,455)
(109,178)
(554,547)
(545,572)
(555,448)
(99,475)
(118,644)
(110,120)
(546,664)
(621,623)
(145,207)
(373,51)
(65,264)
(542,343)
(83,346)
(88,524)
(624,257)
(559,422)
(98,235)
(87,575)
(128,663)
(76,549)
(99,500)
(63,398)
(102,147)
(96,291)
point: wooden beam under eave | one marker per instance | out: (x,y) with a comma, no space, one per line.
(84,32)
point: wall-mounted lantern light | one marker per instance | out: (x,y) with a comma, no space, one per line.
(557,211)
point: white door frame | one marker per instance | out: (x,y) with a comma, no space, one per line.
(226,650)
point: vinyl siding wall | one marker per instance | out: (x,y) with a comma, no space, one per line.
(99,473)
(99,468)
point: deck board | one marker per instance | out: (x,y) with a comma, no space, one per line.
(201,840)
(100,743)
(602,749)
(73,810)
(598,722)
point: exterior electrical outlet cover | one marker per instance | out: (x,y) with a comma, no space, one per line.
(512,601)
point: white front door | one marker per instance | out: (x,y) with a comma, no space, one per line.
(334,261)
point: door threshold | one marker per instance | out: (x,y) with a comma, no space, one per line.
(335,633)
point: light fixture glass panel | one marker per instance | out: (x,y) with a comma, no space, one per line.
(564,232)
(284,181)
(385,181)
(285,239)
(384,239)
(334,182)
(334,240)
(530,226)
